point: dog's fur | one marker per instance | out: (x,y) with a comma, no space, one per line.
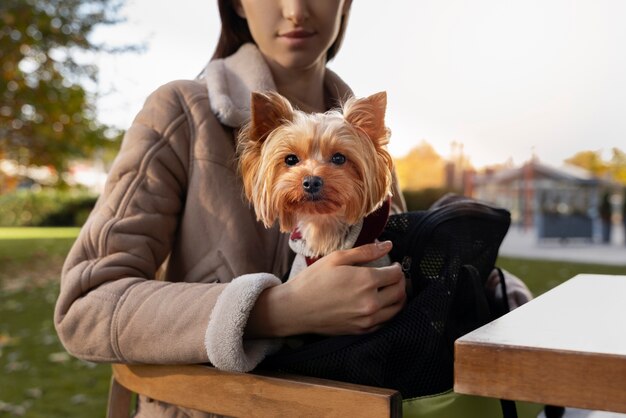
(319,173)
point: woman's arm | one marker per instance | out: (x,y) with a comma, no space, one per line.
(109,307)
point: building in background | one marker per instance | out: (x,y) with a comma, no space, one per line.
(564,202)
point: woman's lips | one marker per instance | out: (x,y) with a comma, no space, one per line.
(297,34)
(297,38)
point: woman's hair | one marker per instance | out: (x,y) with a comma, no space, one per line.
(235,32)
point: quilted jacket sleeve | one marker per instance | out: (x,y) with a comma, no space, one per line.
(110,308)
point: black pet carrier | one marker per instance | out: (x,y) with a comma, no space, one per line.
(447,254)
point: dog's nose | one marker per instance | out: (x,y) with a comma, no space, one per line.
(312,184)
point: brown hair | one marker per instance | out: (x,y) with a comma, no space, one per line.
(235,32)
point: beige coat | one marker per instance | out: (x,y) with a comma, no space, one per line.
(174,193)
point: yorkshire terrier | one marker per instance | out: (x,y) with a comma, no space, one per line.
(326,177)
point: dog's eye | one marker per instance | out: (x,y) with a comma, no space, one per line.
(338,159)
(291,159)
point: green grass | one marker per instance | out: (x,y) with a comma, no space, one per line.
(542,275)
(33,247)
(38,379)
(30,233)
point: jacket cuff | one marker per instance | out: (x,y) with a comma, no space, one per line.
(224,343)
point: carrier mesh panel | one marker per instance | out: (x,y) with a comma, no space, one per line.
(451,251)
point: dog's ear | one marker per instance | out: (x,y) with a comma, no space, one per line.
(368,115)
(268,111)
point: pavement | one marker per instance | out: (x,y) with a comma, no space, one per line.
(521,243)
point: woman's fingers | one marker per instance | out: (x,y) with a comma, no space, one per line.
(389,275)
(377,319)
(394,292)
(382,304)
(361,255)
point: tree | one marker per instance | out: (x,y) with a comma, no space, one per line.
(46,113)
(589,160)
(618,165)
(615,168)
(421,168)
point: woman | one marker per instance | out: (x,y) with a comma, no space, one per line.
(173,194)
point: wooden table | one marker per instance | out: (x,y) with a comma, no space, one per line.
(567,347)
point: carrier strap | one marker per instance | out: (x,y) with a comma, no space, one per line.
(508,408)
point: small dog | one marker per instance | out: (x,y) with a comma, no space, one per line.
(326,177)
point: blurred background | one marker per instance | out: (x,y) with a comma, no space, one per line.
(518,103)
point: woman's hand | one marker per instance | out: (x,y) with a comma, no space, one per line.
(333,296)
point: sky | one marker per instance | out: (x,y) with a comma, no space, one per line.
(508,79)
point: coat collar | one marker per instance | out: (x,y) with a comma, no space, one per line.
(231,80)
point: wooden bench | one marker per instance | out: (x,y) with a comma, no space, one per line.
(260,395)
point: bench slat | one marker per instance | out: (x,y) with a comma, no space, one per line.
(207,389)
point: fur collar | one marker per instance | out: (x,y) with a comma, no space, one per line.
(231,80)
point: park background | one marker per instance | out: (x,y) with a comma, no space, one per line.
(502,100)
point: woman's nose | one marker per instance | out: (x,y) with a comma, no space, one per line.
(296,11)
